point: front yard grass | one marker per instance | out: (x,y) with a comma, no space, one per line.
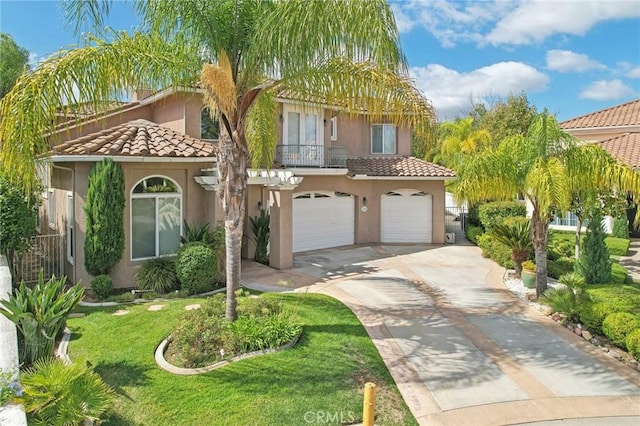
(319,378)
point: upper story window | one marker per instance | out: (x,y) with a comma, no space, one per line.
(302,126)
(209,126)
(156,217)
(383,139)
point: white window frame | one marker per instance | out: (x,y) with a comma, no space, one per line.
(395,142)
(157,196)
(334,128)
(70,228)
(51,208)
(303,111)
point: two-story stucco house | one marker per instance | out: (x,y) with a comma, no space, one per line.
(336,181)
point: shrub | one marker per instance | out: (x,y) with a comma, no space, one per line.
(104,211)
(562,266)
(102,286)
(196,267)
(528,265)
(515,234)
(473,232)
(195,233)
(594,263)
(472,217)
(558,248)
(617,246)
(621,228)
(593,314)
(40,315)
(495,251)
(55,393)
(618,273)
(157,275)
(562,299)
(618,325)
(496,212)
(633,343)
(260,227)
(201,334)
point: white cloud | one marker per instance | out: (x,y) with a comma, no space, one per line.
(500,22)
(567,61)
(33,60)
(452,91)
(534,21)
(604,90)
(630,70)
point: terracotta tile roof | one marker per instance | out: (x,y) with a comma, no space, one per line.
(136,138)
(627,114)
(625,148)
(396,166)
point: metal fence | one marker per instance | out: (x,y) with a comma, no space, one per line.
(46,253)
(311,155)
(455,219)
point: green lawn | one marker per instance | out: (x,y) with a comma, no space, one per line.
(321,377)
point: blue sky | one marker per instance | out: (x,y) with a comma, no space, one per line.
(572,57)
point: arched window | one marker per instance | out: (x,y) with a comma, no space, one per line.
(209,126)
(156,217)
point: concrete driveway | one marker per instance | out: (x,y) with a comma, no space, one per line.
(462,349)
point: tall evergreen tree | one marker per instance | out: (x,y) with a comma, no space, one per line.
(594,263)
(13,63)
(104,211)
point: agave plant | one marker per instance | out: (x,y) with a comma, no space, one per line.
(515,235)
(40,314)
(54,393)
(197,233)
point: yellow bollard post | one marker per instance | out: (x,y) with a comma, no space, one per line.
(369,406)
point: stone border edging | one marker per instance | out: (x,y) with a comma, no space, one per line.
(165,365)
(104,304)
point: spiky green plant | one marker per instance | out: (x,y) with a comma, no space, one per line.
(261,232)
(40,314)
(516,236)
(57,394)
(157,275)
(193,233)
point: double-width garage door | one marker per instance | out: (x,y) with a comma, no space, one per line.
(406,217)
(322,219)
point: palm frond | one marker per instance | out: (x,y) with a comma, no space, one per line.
(261,131)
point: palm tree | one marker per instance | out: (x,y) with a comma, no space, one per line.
(459,139)
(545,166)
(516,236)
(242,53)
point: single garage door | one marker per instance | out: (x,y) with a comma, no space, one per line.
(322,220)
(406,217)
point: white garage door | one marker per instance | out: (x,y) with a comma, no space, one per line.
(406,217)
(322,220)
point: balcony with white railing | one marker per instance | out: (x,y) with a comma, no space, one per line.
(311,156)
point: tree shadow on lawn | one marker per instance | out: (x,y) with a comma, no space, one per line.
(120,374)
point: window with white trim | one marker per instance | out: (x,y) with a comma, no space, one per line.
(302,126)
(209,125)
(383,139)
(51,208)
(70,228)
(156,218)
(334,128)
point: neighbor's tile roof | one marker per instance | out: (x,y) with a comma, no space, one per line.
(627,114)
(625,148)
(136,138)
(396,166)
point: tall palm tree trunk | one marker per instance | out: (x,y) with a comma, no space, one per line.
(540,233)
(232,166)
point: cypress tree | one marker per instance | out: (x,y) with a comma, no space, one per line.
(594,263)
(104,211)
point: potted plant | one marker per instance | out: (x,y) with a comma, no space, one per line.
(529,274)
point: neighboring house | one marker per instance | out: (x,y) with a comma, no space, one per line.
(337,181)
(615,129)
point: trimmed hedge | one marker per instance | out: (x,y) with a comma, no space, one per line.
(495,251)
(633,343)
(618,325)
(618,273)
(496,212)
(473,232)
(560,267)
(196,267)
(617,246)
(102,286)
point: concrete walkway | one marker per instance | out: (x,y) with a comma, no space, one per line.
(462,349)
(632,260)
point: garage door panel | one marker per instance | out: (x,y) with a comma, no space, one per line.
(406,217)
(322,222)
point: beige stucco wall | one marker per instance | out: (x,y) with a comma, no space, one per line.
(198,206)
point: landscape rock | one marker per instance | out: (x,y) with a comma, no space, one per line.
(586,334)
(547,310)
(614,354)
(155,307)
(121,312)
(578,331)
